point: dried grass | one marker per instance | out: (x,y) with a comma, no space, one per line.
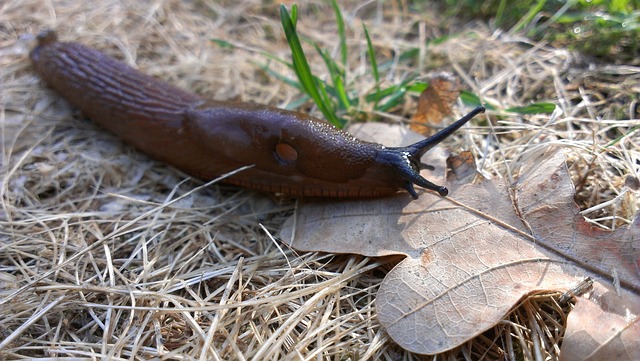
(107,254)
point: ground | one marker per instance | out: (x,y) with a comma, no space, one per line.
(107,253)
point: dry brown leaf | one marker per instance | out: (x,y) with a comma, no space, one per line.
(461,167)
(472,256)
(599,328)
(435,103)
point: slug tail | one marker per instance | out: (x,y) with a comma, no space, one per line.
(44,38)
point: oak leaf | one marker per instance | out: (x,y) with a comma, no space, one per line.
(435,103)
(472,256)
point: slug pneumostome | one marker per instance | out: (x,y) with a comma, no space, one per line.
(291,153)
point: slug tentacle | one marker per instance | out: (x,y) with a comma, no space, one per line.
(420,148)
(406,160)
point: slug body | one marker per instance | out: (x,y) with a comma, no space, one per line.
(291,153)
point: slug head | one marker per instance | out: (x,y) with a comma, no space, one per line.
(406,160)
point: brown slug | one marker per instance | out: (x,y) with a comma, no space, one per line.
(291,153)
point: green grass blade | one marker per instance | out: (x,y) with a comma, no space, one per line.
(223,43)
(372,55)
(500,11)
(300,64)
(470,99)
(337,76)
(294,15)
(618,139)
(227,45)
(395,94)
(473,100)
(280,77)
(394,100)
(341,34)
(374,64)
(303,71)
(418,87)
(529,16)
(381,94)
(326,99)
(535,108)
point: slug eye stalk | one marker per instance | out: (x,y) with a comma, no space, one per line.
(406,160)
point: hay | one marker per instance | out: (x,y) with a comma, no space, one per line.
(106,253)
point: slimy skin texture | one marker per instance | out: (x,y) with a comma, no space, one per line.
(292,153)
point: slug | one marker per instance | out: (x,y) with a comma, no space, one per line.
(292,153)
